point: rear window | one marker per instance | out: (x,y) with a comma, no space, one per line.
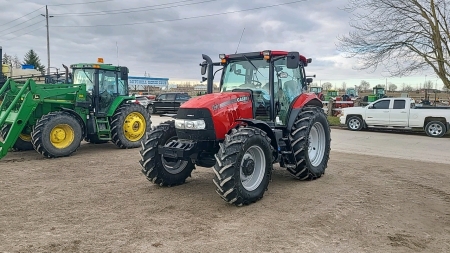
(399,104)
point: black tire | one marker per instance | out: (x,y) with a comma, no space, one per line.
(299,137)
(355,123)
(159,170)
(132,137)
(23,143)
(230,161)
(42,132)
(435,129)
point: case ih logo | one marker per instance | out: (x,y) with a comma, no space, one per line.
(229,102)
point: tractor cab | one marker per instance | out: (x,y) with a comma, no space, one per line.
(104,83)
(273,78)
(378,93)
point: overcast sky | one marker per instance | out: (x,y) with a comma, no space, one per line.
(166,38)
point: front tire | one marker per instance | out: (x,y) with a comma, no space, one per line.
(57,134)
(435,129)
(244,166)
(355,123)
(23,142)
(129,124)
(157,168)
(310,141)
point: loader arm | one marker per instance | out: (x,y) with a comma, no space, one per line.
(19,103)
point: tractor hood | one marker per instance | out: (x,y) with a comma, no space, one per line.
(216,101)
(221,111)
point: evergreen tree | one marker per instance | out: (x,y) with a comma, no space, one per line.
(31,58)
(6,59)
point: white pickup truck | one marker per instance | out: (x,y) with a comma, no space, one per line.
(397,113)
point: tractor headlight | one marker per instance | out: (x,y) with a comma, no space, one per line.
(188,124)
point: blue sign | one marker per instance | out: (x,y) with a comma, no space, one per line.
(150,81)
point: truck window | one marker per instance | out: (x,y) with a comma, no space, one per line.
(383,104)
(170,97)
(399,104)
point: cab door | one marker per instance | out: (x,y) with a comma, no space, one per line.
(377,114)
(399,114)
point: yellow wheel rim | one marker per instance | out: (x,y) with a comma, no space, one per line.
(62,136)
(134,126)
(25,137)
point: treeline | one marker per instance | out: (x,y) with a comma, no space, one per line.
(30,58)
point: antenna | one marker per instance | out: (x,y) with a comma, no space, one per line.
(240,40)
(117,47)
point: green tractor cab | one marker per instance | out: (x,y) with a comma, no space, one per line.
(53,119)
(378,93)
(331,94)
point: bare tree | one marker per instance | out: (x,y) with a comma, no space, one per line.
(392,87)
(428,85)
(344,86)
(327,86)
(364,85)
(404,35)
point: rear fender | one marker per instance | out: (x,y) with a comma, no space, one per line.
(304,100)
(78,117)
(118,101)
(263,126)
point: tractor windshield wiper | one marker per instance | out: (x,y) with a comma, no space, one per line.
(253,65)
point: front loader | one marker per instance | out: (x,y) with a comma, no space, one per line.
(53,119)
(261,116)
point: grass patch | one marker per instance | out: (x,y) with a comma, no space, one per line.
(334,121)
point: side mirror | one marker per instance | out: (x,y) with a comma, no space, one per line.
(292,60)
(203,67)
(309,80)
(370,107)
(124,73)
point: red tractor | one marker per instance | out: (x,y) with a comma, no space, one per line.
(261,116)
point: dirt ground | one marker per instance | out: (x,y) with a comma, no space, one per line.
(98,200)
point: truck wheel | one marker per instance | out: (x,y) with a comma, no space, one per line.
(23,143)
(157,168)
(243,166)
(355,123)
(310,141)
(57,134)
(129,124)
(435,129)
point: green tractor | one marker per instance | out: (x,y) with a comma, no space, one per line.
(53,119)
(378,93)
(331,94)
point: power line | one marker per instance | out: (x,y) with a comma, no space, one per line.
(21,16)
(187,18)
(130,10)
(24,28)
(93,2)
(20,23)
(35,30)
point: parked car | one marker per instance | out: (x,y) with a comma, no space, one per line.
(168,102)
(398,113)
(142,100)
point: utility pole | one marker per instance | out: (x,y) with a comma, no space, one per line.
(48,39)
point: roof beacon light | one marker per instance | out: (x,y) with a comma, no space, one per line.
(99,60)
(266,54)
(222,58)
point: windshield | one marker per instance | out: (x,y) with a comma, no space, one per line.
(85,76)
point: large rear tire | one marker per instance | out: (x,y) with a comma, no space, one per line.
(23,142)
(57,134)
(157,168)
(244,166)
(310,141)
(129,124)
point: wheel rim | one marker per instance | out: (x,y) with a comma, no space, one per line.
(316,149)
(61,136)
(25,137)
(354,124)
(252,169)
(173,165)
(435,129)
(134,126)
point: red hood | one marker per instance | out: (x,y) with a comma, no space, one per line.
(211,101)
